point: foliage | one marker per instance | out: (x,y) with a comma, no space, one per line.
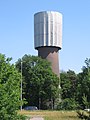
(83,115)
(9,89)
(68,84)
(76,87)
(85,102)
(83,87)
(85,91)
(40,84)
(68,91)
(68,104)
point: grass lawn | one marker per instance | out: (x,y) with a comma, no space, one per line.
(52,115)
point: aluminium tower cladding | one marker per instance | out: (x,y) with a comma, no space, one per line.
(48,37)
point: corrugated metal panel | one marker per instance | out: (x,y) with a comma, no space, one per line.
(48,29)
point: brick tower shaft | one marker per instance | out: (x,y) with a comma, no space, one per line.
(51,54)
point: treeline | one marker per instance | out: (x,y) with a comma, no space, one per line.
(40,86)
(75,89)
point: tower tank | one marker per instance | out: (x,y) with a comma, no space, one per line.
(48,37)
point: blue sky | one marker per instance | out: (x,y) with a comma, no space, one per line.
(17,29)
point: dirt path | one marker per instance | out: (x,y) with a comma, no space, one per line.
(37,118)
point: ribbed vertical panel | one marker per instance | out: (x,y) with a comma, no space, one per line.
(48,29)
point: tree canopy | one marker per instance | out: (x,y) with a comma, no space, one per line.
(83,87)
(9,89)
(75,88)
(40,84)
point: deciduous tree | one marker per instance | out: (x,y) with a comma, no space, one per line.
(40,84)
(9,90)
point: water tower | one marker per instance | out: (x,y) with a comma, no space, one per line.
(48,37)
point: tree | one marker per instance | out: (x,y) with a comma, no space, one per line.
(68,84)
(68,90)
(83,88)
(40,84)
(9,90)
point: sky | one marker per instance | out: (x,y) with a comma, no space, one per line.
(17,29)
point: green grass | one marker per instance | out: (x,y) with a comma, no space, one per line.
(52,115)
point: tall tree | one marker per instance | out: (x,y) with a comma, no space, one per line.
(9,90)
(40,84)
(68,90)
(84,91)
(83,88)
(68,84)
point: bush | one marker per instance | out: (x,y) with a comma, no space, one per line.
(83,115)
(68,104)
